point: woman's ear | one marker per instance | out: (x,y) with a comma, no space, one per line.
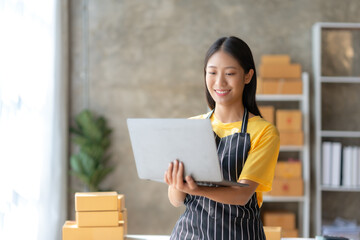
(249,76)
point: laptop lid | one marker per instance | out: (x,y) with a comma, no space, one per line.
(157,142)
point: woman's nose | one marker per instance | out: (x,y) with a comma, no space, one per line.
(220,80)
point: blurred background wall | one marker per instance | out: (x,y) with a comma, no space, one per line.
(144,58)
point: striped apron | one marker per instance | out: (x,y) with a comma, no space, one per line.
(208,219)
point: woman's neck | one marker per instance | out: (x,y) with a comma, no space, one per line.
(229,114)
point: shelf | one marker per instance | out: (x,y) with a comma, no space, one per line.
(340,189)
(321,83)
(339,79)
(291,148)
(283,199)
(279,97)
(344,134)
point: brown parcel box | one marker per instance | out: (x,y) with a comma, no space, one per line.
(268,113)
(288,169)
(97,219)
(272,233)
(259,88)
(288,120)
(287,187)
(289,138)
(285,220)
(290,233)
(71,231)
(281,86)
(280,71)
(275,59)
(96,201)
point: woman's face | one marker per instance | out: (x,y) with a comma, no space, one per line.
(225,79)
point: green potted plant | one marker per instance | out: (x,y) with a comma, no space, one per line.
(92,136)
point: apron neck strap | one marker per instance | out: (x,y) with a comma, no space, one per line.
(244,120)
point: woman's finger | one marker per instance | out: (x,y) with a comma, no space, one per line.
(191,183)
(169,172)
(180,176)
(174,171)
(166,178)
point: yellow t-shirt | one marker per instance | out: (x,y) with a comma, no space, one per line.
(263,154)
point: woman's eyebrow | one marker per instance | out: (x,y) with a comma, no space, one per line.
(225,67)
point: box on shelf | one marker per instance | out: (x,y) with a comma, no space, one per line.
(290,233)
(280,71)
(268,113)
(291,138)
(259,85)
(71,231)
(272,233)
(281,86)
(285,220)
(96,201)
(287,187)
(98,219)
(121,202)
(275,59)
(123,217)
(288,120)
(288,169)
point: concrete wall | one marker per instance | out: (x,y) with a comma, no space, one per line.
(145,59)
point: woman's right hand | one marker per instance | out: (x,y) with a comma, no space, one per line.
(174,178)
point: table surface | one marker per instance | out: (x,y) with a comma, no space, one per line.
(165,237)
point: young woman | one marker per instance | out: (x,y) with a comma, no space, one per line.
(248,149)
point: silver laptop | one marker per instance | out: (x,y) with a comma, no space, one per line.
(157,142)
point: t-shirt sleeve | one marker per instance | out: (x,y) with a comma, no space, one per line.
(262,158)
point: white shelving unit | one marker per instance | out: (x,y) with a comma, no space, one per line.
(304,154)
(320,133)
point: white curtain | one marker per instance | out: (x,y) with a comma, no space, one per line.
(33,118)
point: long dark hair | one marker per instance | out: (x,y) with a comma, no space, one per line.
(238,49)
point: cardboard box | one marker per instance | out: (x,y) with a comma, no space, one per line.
(285,220)
(123,217)
(71,231)
(98,219)
(268,113)
(96,201)
(288,169)
(287,233)
(275,59)
(280,71)
(272,233)
(288,138)
(259,85)
(287,187)
(289,120)
(121,202)
(281,86)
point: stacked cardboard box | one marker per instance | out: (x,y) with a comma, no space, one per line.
(285,220)
(289,124)
(287,179)
(268,113)
(279,76)
(99,215)
(273,233)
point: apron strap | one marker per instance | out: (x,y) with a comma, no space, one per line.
(210,113)
(244,120)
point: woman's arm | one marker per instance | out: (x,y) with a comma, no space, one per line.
(227,195)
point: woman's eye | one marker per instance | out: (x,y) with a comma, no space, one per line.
(211,73)
(230,74)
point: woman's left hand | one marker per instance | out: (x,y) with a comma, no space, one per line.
(174,177)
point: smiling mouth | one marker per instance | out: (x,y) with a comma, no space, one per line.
(222,92)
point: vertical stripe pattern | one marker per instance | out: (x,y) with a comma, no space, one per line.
(208,219)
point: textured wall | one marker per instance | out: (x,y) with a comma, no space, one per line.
(145,59)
